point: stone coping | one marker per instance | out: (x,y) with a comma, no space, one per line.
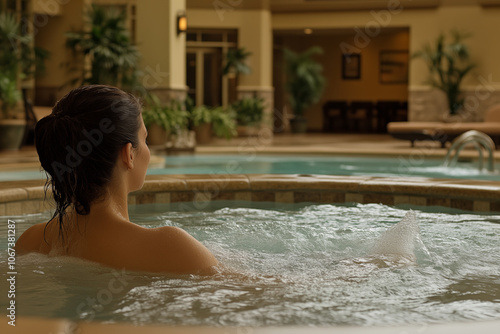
(473,195)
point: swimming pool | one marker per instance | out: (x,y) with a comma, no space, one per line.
(300,265)
(327,165)
(285,164)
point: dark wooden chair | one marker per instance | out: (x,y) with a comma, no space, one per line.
(335,116)
(387,111)
(360,112)
(402,113)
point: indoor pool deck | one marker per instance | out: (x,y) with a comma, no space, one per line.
(317,143)
(324,144)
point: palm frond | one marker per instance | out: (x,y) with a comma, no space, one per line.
(448,63)
(235,62)
(108,45)
(305,81)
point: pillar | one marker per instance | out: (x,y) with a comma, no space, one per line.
(256,37)
(163,51)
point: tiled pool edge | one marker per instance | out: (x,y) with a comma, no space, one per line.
(479,196)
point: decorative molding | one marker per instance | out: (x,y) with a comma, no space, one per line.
(343,5)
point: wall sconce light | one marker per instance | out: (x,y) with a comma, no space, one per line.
(181,23)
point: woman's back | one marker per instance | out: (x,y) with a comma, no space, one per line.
(122,245)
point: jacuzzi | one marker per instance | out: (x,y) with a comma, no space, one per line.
(343,218)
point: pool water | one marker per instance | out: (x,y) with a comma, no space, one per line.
(283,164)
(327,165)
(294,265)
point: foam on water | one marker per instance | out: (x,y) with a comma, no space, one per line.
(351,264)
(400,239)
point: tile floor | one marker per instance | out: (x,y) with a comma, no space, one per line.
(311,143)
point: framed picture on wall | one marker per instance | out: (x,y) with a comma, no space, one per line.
(351,66)
(394,67)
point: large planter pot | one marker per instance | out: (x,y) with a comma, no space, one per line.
(203,133)
(11,133)
(157,136)
(298,124)
(248,130)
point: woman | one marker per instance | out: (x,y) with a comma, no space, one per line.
(93,146)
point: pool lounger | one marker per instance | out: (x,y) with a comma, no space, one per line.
(444,132)
(440,131)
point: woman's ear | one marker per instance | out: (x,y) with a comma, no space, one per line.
(128,156)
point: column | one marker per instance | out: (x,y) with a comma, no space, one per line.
(163,51)
(256,37)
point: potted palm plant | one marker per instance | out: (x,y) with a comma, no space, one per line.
(236,63)
(249,113)
(163,119)
(208,120)
(113,57)
(304,84)
(201,120)
(12,127)
(224,122)
(448,64)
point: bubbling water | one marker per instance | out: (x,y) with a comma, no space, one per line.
(306,265)
(394,248)
(397,244)
(399,239)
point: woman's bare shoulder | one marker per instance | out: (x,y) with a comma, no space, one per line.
(30,240)
(174,250)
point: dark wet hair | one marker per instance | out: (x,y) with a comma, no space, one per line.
(78,144)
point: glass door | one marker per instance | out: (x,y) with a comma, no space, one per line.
(204,75)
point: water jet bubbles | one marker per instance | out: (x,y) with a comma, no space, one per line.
(287,267)
(400,239)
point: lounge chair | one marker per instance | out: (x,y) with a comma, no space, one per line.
(445,132)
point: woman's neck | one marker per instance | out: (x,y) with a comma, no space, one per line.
(114,204)
(115,200)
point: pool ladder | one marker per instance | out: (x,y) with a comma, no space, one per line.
(480,140)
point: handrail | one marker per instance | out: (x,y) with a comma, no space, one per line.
(480,140)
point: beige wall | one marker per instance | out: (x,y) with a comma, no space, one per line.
(162,50)
(254,33)
(46,7)
(49,32)
(424,24)
(482,23)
